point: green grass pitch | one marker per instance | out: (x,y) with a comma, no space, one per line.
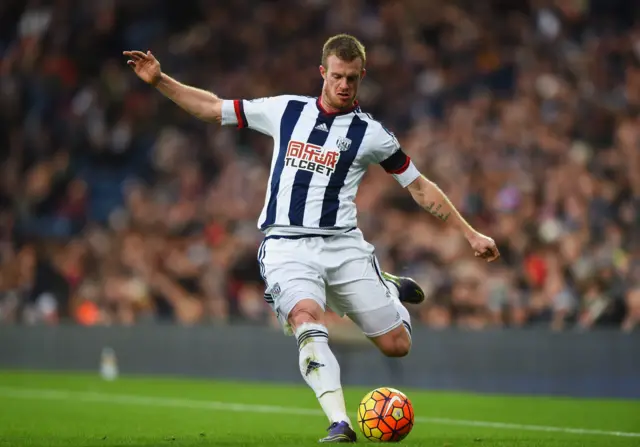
(63,409)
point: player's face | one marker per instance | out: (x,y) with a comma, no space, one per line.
(341,81)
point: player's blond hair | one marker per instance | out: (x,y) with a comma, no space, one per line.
(346,47)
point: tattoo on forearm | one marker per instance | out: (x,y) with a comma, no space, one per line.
(436,212)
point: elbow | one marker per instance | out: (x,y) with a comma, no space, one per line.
(216,108)
(210,111)
(214,111)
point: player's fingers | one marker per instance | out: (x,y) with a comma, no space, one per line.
(487,253)
(137,55)
(131,63)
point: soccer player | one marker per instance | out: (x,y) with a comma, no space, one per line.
(313,255)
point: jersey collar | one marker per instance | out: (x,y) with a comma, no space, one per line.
(342,112)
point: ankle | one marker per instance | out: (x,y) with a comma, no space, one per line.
(332,402)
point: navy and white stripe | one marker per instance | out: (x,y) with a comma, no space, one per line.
(261,254)
(376,267)
(331,202)
(318,162)
(262,251)
(316,200)
(288,122)
(407,326)
(302,181)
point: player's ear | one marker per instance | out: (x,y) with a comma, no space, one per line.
(363,74)
(323,72)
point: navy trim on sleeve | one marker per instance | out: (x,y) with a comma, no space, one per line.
(238,106)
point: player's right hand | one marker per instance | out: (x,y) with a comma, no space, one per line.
(484,246)
(146,66)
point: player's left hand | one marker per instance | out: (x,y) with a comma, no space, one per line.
(484,247)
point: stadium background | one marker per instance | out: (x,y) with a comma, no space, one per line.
(128,226)
(118,208)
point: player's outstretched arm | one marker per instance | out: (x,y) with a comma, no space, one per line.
(199,103)
(430,197)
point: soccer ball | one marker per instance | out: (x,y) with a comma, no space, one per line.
(385,415)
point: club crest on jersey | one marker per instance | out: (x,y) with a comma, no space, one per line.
(312,158)
(343,144)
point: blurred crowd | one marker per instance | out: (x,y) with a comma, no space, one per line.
(116,207)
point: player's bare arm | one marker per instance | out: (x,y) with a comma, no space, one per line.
(199,103)
(430,197)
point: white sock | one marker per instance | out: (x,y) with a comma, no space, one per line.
(320,369)
(404,313)
(332,404)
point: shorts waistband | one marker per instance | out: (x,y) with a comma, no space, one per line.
(303,236)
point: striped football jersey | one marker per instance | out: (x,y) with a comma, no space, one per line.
(318,162)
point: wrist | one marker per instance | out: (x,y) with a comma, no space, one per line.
(468,231)
(157,80)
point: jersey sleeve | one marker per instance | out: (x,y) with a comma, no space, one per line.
(257,114)
(392,158)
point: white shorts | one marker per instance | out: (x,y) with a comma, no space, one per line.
(339,271)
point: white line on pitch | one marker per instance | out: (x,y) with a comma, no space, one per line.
(127,399)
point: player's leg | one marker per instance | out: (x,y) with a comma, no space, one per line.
(295,287)
(359,290)
(319,367)
(397,342)
(381,317)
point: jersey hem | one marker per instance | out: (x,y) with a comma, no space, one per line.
(285,231)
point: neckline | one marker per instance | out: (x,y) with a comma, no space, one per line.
(341,112)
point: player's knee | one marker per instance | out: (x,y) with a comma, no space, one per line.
(306,311)
(395,344)
(399,347)
(403,346)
